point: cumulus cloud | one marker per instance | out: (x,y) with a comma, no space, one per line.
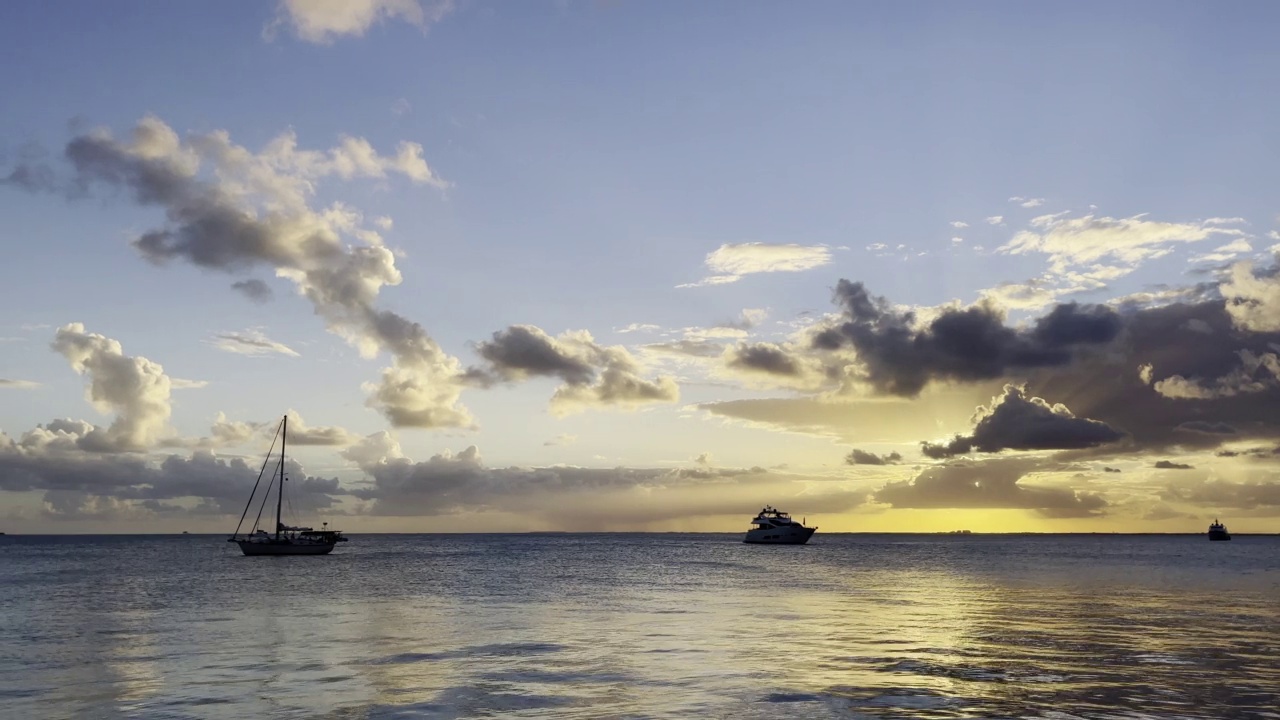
(1071,242)
(988,485)
(250,342)
(593,375)
(730,262)
(896,354)
(323,21)
(995,219)
(1253,299)
(233,210)
(134,388)
(959,224)
(300,433)
(862,457)
(1014,421)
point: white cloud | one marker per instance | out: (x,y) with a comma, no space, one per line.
(639,327)
(1027,202)
(957,240)
(1226,252)
(18,384)
(323,21)
(1252,301)
(995,219)
(1089,239)
(732,261)
(134,388)
(250,342)
(959,224)
(184,384)
(384,222)
(1226,221)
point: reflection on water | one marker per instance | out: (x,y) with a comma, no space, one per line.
(643,626)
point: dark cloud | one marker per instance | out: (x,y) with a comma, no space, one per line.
(862,457)
(78,485)
(1111,469)
(523,350)
(988,485)
(254,289)
(1015,421)
(593,375)
(900,356)
(1170,465)
(763,357)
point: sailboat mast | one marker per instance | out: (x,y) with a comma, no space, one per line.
(280,496)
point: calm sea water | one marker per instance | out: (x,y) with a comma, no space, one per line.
(642,626)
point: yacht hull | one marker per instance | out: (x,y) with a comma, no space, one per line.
(1219,536)
(284,548)
(779,536)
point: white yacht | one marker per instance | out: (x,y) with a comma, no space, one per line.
(774,527)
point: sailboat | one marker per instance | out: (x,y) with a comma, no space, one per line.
(286,540)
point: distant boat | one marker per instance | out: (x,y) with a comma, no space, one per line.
(286,540)
(1218,531)
(774,527)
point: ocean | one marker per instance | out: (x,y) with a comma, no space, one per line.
(642,626)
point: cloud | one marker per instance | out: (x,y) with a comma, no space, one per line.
(988,485)
(862,457)
(560,440)
(959,224)
(1253,299)
(300,433)
(1209,428)
(230,209)
(896,354)
(134,388)
(250,342)
(254,289)
(323,21)
(1014,421)
(748,319)
(639,327)
(1256,373)
(731,262)
(686,348)
(1170,465)
(593,375)
(79,485)
(18,384)
(995,220)
(1027,202)
(1071,242)
(580,498)
(1253,495)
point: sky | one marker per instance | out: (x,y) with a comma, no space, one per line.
(640,266)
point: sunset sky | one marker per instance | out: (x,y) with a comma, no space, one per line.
(620,265)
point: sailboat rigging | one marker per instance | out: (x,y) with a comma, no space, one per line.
(286,540)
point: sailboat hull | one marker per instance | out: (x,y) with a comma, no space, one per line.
(250,547)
